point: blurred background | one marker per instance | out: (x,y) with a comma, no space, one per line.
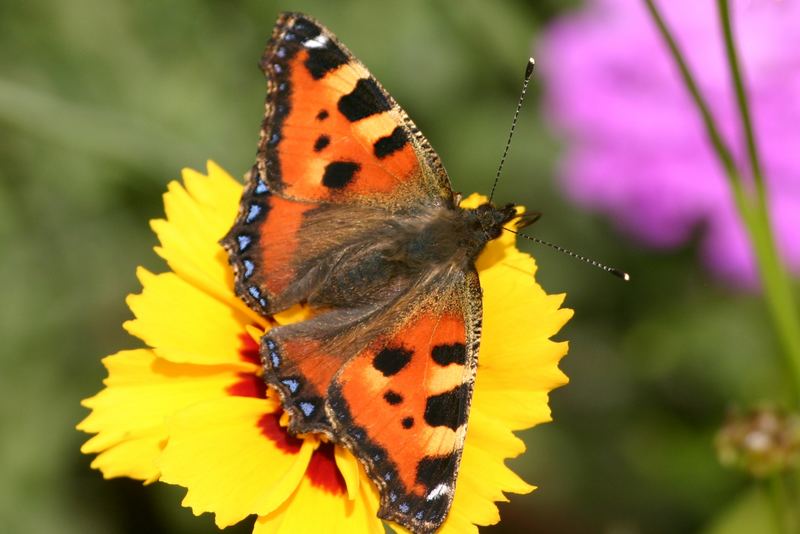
(103,102)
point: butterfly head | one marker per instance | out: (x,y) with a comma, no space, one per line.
(489,219)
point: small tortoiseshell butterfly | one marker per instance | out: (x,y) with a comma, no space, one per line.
(349,210)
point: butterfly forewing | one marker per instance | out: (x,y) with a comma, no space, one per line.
(332,133)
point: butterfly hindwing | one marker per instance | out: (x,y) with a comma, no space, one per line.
(332,133)
(402,404)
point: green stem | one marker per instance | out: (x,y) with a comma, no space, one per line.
(755,215)
(776,282)
(780,504)
(777,287)
(741,97)
(711,129)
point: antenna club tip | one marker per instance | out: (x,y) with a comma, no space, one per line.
(529,68)
(622,274)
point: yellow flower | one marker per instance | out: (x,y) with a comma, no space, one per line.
(191,409)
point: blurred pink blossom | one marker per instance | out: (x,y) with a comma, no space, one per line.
(636,148)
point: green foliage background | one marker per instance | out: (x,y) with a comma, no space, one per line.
(103,102)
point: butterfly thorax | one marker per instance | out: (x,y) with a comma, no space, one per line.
(389,255)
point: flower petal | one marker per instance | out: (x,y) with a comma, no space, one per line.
(312,508)
(483,474)
(203,331)
(198,216)
(134,458)
(234,458)
(516,370)
(129,415)
(350,469)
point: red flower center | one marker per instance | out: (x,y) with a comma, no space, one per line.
(271,428)
(322,470)
(248,385)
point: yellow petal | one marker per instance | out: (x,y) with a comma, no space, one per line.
(233,458)
(230,452)
(294,314)
(350,469)
(524,371)
(195,223)
(315,508)
(517,368)
(516,409)
(457,523)
(255,332)
(129,415)
(483,475)
(134,458)
(184,324)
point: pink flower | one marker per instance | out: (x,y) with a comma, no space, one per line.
(637,149)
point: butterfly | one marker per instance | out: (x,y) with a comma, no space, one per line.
(349,211)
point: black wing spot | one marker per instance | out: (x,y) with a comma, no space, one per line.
(321,142)
(321,61)
(391,361)
(407,422)
(392,397)
(322,115)
(386,146)
(339,173)
(447,409)
(444,355)
(305,29)
(365,100)
(433,470)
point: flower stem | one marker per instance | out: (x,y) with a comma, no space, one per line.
(755,215)
(711,129)
(776,282)
(780,504)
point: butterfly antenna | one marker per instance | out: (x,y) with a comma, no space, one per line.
(528,74)
(616,272)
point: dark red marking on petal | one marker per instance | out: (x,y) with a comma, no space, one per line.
(271,428)
(248,349)
(248,385)
(323,472)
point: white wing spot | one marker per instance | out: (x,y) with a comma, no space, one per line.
(438,491)
(320,41)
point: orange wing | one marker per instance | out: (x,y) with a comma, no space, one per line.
(335,149)
(267,228)
(333,134)
(401,406)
